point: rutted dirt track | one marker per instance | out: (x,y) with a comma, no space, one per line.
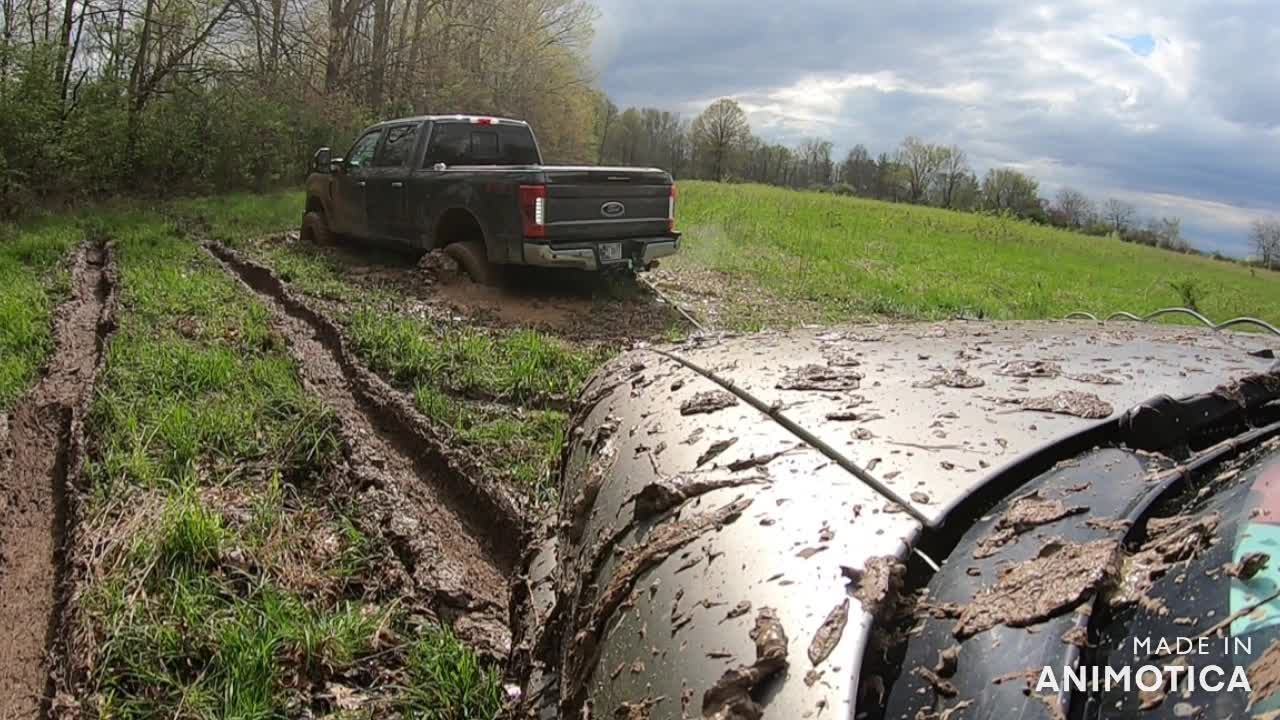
(458,534)
(43,449)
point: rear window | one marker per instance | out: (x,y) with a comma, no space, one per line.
(471,144)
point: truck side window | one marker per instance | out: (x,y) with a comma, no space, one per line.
(396,148)
(362,152)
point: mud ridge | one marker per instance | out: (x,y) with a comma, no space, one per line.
(458,533)
(43,455)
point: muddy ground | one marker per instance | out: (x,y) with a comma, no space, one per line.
(42,453)
(451,526)
(575,306)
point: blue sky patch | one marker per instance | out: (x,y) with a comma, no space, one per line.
(1142,44)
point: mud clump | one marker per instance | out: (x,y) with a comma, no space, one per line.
(821,378)
(1059,578)
(1249,565)
(1169,541)
(829,633)
(1030,369)
(437,268)
(1095,379)
(659,497)
(958,378)
(877,585)
(1025,513)
(708,401)
(714,451)
(636,711)
(1071,402)
(1264,675)
(730,697)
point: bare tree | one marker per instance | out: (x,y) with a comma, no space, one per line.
(1265,237)
(1119,215)
(922,162)
(952,170)
(1074,207)
(719,132)
(1168,234)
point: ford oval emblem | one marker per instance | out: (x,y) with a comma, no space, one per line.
(613,209)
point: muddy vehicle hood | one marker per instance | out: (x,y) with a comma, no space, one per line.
(728,501)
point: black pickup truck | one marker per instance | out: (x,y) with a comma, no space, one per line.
(476,187)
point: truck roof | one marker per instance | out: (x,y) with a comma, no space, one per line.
(455,117)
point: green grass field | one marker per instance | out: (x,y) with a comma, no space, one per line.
(33,279)
(861,259)
(222,585)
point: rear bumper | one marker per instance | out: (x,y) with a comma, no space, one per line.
(586,255)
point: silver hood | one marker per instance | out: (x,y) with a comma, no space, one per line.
(713,486)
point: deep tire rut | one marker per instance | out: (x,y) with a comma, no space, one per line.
(458,535)
(41,454)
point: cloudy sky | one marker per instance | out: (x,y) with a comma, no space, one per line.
(1171,105)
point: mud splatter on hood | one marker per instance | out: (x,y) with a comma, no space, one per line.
(931,444)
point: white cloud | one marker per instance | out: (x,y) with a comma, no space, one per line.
(1167,102)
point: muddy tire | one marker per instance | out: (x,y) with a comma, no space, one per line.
(471,256)
(315,230)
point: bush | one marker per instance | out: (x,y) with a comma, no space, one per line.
(1190,292)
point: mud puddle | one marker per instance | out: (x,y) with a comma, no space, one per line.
(44,448)
(457,535)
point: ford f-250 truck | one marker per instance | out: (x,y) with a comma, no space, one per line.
(476,187)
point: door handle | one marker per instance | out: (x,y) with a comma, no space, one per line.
(397,184)
(361,183)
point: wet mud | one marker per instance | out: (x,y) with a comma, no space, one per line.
(458,536)
(43,452)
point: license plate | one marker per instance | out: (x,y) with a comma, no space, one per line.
(609,252)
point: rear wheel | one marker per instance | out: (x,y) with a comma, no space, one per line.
(471,256)
(315,230)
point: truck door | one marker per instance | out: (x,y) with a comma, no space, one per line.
(387,197)
(351,184)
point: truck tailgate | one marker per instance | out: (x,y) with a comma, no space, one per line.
(592,203)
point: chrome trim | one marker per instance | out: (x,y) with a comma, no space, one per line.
(547,256)
(565,223)
(656,250)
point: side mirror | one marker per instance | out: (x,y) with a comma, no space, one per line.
(336,165)
(321,162)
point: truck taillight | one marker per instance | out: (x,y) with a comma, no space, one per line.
(671,209)
(533,210)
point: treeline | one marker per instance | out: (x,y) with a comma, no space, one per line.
(119,96)
(719,145)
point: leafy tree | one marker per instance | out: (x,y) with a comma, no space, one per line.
(859,171)
(719,133)
(921,161)
(1009,190)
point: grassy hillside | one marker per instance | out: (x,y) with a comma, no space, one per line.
(850,257)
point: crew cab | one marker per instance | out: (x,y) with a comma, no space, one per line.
(476,187)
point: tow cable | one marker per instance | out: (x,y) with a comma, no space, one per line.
(666,299)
